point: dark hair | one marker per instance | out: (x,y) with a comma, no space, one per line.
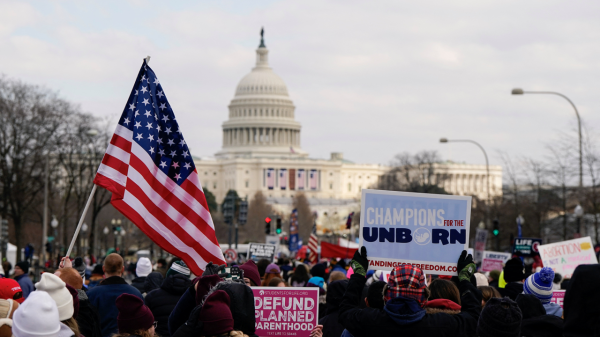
(557,278)
(375,294)
(444,289)
(162,261)
(488,292)
(274,282)
(262,266)
(300,274)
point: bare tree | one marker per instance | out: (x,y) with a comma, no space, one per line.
(420,172)
(591,195)
(258,210)
(305,216)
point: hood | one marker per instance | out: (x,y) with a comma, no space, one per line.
(545,325)
(241,306)
(335,292)
(139,279)
(404,310)
(442,303)
(530,306)
(176,284)
(153,281)
(581,307)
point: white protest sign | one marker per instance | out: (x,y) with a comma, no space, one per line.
(426,230)
(563,257)
(258,251)
(494,260)
(480,241)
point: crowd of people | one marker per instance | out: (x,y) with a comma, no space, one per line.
(167,300)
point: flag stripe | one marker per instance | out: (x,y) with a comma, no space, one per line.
(113,174)
(168,224)
(115,163)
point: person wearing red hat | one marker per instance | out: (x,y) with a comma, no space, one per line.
(215,315)
(134,318)
(11,290)
(251,274)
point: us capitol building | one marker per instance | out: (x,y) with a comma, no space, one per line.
(262,152)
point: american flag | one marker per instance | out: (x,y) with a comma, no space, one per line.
(313,244)
(153,180)
(313,179)
(283,178)
(301,179)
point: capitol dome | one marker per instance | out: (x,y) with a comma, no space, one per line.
(261,115)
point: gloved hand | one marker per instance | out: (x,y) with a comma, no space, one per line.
(213,269)
(359,262)
(193,326)
(465,266)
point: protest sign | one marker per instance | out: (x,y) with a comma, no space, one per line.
(558,297)
(480,241)
(258,251)
(426,230)
(494,260)
(285,311)
(563,257)
(526,247)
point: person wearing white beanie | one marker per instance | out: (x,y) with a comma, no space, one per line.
(142,270)
(38,317)
(57,289)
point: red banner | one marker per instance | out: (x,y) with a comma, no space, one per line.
(331,250)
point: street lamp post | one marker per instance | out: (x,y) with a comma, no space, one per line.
(487,168)
(105,231)
(84,229)
(578,214)
(519,91)
(54,224)
(520,223)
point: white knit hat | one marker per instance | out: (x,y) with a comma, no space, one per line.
(57,289)
(482,280)
(36,317)
(144,267)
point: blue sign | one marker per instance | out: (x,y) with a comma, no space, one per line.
(426,230)
(294,237)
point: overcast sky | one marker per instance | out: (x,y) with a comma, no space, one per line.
(368,78)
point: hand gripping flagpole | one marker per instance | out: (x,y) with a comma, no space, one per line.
(87,205)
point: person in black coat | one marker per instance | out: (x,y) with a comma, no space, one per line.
(514,275)
(163,300)
(535,320)
(581,308)
(335,293)
(403,312)
(153,281)
(142,268)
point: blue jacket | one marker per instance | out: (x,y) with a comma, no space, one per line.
(26,284)
(104,296)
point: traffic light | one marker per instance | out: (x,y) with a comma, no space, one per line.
(228,208)
(278,229)
(4,230)
(243,214)
(496,230)
(48,247)
(268,226)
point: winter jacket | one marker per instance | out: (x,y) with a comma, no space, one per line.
(88,318)
(581,308)
(153,281)
(511,290)
(553,309)
(103,297)
(163,300)
(335,293)
(138,283)
(26,284)
(405,315)
(442,305)
(241,306)
(94,281)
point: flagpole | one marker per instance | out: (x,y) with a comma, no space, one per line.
(87,205)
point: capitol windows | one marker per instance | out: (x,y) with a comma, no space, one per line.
(214,173)
(215,185)
(247,183)
(330,186)
(349,187)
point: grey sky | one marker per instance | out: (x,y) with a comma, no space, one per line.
(369,79)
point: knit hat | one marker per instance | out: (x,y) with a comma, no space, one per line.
(482,280)
(500,317)
(540,284)
(24,265)
(7,309)
(10,289)
(318,270)
(179,267)
(514,270)
(98,270)
(251,271)
(530,306)
(133,314)
(272,269)
(57,289)
(36,317)
(205,283)
(143,267)
(407,281)
(216,314)
(79,265)
(495,275)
